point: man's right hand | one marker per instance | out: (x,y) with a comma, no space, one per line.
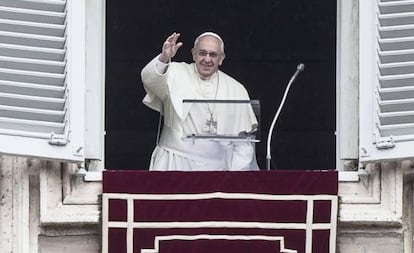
(170,48)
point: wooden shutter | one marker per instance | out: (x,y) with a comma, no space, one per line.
(37,81)
(390,135)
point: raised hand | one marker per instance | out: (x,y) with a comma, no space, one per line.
(170,47)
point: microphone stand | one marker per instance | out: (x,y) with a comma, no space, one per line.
(299,69)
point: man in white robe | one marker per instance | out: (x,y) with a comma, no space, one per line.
(169,83)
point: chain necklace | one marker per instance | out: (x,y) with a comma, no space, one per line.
(210,125)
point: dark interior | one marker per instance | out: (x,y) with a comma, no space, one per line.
(264,42)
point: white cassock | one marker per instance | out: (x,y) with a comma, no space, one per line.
(166,92)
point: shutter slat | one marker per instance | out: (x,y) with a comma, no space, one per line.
(406,43)
(396,93)
(395,19)
(13,132)
(397,105)
(396,31)
(396,118)
(32,102)
(32,28)
(45,5)
(32,64)
(32,40)
(32,77)
(396,7)
(31,89)
(39,53)
(32,15)
(396,130)
(31,114)
(398,68)
(391,56)
(396,80)
(32,125)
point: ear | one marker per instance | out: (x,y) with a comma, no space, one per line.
(193,53)
(222,59)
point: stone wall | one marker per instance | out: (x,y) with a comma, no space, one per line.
(45,207)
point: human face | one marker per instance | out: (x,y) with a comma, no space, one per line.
(207,56)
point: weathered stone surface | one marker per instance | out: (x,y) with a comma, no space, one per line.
(69,244)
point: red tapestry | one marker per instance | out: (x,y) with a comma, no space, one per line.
(213,212)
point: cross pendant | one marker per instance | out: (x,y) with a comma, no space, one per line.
(210,126)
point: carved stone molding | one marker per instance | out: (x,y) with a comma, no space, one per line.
(377,198)
(66,198)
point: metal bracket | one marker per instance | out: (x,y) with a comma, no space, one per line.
(57,140)
(385,143)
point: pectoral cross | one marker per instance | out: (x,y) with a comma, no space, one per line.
(210,127)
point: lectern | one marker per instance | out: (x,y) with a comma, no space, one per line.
(219,119)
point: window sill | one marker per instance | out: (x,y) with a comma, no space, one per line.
(348,176)
(93,176)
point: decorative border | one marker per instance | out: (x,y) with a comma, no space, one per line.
(129,225)
(159,239)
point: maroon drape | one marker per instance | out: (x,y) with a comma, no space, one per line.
(215,213)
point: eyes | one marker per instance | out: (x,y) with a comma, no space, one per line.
(204,53)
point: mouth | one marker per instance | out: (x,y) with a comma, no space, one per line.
(206,65)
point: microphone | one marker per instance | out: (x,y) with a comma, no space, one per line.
(299,69)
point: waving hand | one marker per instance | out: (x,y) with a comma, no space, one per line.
(170,47)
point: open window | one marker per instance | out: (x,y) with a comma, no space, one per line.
(264,43)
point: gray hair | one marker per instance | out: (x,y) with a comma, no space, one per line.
(210,34)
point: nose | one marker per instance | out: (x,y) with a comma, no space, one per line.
(208,58)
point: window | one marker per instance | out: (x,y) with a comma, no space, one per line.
(44,80)
(264,41)
(386,80)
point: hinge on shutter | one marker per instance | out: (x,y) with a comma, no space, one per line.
(57,140)
(385,142)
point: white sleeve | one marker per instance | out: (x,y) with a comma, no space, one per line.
(161,67)
(155,83)
(243,156)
